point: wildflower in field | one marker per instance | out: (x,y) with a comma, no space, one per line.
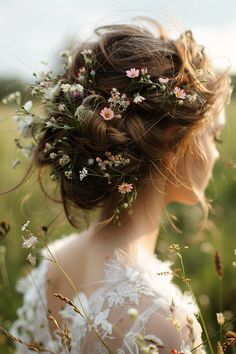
(31,259)
(25,226)
(220,318)
(30,242)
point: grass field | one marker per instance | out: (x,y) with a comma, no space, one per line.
(28,202)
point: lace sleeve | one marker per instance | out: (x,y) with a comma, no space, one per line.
(165,325)
(32,324)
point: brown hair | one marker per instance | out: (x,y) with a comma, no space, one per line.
(141,133)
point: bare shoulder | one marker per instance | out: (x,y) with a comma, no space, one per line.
(68,254)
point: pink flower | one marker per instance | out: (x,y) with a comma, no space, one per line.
(125,187)
(75,94)
(82,69)
(107,113)
(163,80)
(144,70)
(132,73)
(179,93)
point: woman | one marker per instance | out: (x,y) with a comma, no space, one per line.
(131,127)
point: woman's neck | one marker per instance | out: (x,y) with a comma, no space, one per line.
(138,230)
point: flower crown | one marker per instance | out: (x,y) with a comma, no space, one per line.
(72,101)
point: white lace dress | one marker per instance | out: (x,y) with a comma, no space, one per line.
(166,318)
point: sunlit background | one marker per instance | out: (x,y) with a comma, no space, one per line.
(32,34)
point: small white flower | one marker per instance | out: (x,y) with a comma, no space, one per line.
(31,259)
(86,51)
(61,107)
(83,173)
(220,318)
(25,225)
(64,160)
(65,87)
(53,155)
(68,174)
(30,242)
(28,106)
(138,98)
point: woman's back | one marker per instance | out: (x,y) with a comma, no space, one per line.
(107,288)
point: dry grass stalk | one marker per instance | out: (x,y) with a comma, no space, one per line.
(219,348)
(36,347)
(219,265)
(63,333)
(69,302)
(230,340)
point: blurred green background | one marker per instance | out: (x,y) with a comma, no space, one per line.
(29,203)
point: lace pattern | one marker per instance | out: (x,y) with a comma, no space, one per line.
(128,283)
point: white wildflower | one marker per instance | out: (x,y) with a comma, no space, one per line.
(53,155)
(30,242)
(25,225)
(31,259)
(61,107)
(64,160)
(68,174)
(86,51)
(138,98)
(83,173)
(66,88)
(192,98)
(220,318)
